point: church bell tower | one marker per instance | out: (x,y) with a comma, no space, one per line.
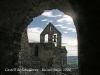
(54,36)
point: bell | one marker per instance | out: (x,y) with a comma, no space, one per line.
(54,36)
(54,40)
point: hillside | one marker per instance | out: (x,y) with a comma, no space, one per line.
(72,62)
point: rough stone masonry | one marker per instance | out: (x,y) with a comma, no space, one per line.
(48,55)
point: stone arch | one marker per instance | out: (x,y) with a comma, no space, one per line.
(50,30)
(15,16)
(46,38)
(15,24)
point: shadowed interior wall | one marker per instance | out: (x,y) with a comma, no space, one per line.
(15,15)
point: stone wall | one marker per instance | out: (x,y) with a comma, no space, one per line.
(51,30)
(24,54)
(49,56)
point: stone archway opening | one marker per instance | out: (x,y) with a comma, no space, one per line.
(17,20)
(55,39)
(19,14)
(46,38)
(63,23)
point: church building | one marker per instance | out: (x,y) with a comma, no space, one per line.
(49,54)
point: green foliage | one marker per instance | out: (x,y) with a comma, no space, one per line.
(72,62)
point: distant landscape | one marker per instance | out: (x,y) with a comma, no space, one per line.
(72,62)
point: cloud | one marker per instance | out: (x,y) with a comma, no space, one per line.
(61,20)
(69,23)
(65,15)
(65,27)
(72,53)
(71,45)
(44,20)
(65,32)
(47,20)
(59,15)
(59,25)
(34,34)
(66,19)
(69,41)
(50,14)
(72,29)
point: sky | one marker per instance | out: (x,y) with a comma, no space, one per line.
(62,22)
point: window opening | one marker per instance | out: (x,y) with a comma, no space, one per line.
(36,50)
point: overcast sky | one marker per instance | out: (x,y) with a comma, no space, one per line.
(62,22)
